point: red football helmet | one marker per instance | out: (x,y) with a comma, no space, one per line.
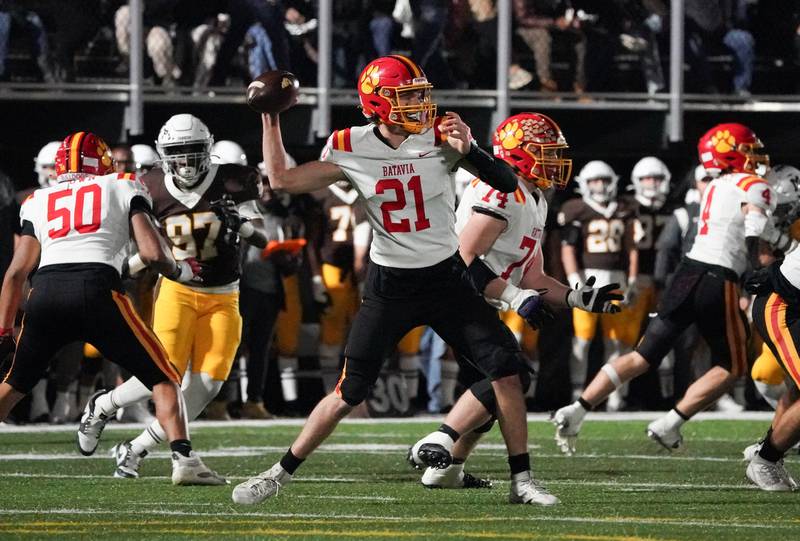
(532,143)
(731,148)
(84,152)
(395,90)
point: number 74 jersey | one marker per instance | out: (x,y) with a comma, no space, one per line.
(720,227)
(515,249)
(84,221)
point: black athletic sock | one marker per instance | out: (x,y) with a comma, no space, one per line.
(681,414)
(768,450)
(182,447)
(584,404)
(519,463)
(457,461)
(449,431)
(290,463)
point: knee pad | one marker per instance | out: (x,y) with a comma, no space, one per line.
(483,391)
(353,389)
(485,427)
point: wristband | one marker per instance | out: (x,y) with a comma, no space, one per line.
(246,230)
(135,264)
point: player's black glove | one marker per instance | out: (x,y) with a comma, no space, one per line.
(590,299)
(228,214)
(757,282)
(529,304)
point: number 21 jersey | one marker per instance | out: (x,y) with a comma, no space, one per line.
(408,193)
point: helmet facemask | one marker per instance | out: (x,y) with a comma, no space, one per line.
(412,105)
(653,189)
(550,167)
(756,161)
(186,161)
(601,189)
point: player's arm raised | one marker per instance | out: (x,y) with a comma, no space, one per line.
(305,178)
(496,173)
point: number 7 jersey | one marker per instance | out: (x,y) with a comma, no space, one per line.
(84,221)
(514,251)
(408,193)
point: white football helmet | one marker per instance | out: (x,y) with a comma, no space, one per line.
(785,180)
(597,169)
(145,157)
(184,145)
(44,164)
(228,152)
(652,194)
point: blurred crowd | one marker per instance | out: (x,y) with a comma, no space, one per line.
(558,45)
(299,294)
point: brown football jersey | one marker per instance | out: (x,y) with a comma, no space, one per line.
(649,223)
(603,242)
(341,218)
(192,226)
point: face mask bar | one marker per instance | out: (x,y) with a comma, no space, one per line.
(550,169)
(415,117)
(186,162)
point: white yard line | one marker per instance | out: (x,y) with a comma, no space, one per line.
(424,419)
(670,521)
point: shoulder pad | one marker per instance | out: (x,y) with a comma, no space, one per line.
(241,182)
(340,140)
(30,196)
(758,192)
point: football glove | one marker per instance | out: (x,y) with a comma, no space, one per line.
(187,271)
(631,292)
(529,304)
(598,300)
(228,214)
(757,282)
(320,293)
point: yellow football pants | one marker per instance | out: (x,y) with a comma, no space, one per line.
(202,327)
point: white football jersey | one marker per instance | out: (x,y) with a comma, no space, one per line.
(790,268)
(408,193)
(513,252)
(720,227)
(84,221)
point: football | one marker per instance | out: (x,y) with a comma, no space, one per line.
(273,92)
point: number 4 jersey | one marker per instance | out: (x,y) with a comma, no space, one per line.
(515,249)
(408,192)
(720,228)
(192,227)
(84,221)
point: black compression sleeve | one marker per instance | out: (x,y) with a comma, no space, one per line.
(752,244)
(496,173)
(27,229)
(479,274)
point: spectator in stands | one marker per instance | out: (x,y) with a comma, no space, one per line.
(382,27)
(9,221)
(430,18)
(157,18)
(641,24)
(539,23)
(270,14)
(712,23)
(12,15)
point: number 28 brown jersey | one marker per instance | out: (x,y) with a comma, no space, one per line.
(603,241)
(192,227)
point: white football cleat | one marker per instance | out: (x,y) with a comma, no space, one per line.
(769,476)
(127,461)
(568,421)
(433,451)
(452,477)
(91,427)
(524,489)
(751,450)
(264,485)
(190,470)
(668,438)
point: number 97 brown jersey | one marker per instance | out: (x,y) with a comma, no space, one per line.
(191,225)
(342,216)
(602,240)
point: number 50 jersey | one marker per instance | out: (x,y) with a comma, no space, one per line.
(84,221)
(192,227)
(408,192)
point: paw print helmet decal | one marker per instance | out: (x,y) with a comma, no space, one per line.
(732,148)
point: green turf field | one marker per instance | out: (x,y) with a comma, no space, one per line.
(619,487)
